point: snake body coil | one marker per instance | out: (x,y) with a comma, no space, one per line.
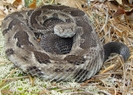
(54,42)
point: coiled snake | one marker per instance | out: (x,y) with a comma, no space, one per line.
(55,42)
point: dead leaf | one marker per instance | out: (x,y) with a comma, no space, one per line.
(2,14)
(119,12)
(71,3)
(33,4)
(17,2)
(8,1)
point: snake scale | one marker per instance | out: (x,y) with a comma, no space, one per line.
(56,42)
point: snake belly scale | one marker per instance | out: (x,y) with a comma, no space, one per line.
(68,49)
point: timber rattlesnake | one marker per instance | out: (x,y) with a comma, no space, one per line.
(55,42)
